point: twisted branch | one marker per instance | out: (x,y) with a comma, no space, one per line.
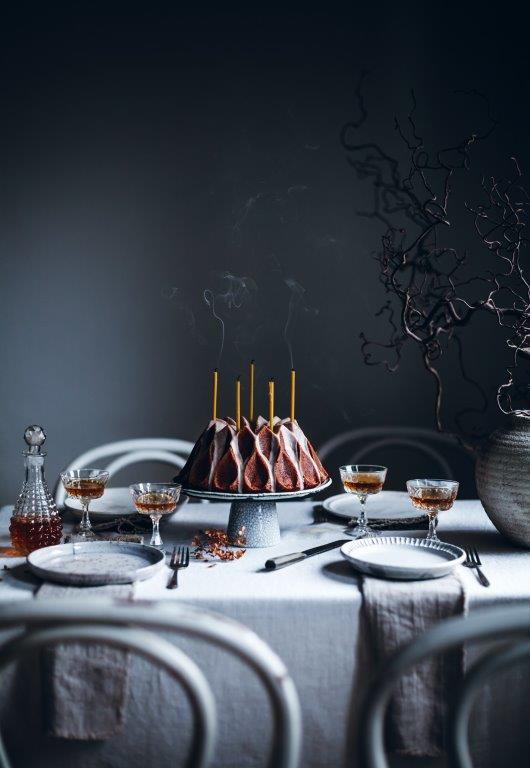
(431,297)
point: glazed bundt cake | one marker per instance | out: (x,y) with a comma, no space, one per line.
(253,459)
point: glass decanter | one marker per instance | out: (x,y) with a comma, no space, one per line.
(35,521)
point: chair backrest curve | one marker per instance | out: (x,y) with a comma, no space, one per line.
(163,450)
(184,620)
(511,624)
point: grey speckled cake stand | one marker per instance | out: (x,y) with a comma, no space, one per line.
(255,512)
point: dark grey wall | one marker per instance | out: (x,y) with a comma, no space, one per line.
(141,151)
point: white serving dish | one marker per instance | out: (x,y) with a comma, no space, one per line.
(93,563)
(387,505)
(402,557)
(199,493)
(115,502)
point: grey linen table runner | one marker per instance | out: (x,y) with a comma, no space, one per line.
(87,685)
(396,612)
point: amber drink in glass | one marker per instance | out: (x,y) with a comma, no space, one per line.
(85,485)
(155,500)
(432,496)
(363,480)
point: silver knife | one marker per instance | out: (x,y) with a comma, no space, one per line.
(296,557)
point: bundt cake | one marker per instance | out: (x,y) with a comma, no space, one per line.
(253,459)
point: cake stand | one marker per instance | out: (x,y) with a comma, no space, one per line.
(255,512)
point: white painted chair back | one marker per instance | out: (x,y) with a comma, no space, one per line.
(125,625)
(366,441)
(158,449)
(511,624)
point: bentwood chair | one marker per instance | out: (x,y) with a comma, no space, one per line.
(510,625)
(367,441)
(158,449)
(126,626)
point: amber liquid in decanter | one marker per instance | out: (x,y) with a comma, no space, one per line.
(29,533)
(35,521)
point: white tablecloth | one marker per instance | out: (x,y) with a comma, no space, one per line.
(310,613)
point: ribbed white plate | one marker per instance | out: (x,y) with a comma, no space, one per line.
(96,562)
(402,557)
(115,502)
(387,505)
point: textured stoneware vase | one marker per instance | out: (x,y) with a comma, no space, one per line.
(503,479)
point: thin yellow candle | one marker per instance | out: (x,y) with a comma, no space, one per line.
(251,393)
(293,392)
(214,394)
(271,403)
(238,403)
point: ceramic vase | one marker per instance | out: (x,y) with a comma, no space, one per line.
(503,479)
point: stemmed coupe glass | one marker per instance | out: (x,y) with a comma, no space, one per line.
(155,500)
(432,496)
(85,485)
(363,480)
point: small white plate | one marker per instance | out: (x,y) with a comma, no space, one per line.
(387,505)
(402,557)
(96,562)
(115,502)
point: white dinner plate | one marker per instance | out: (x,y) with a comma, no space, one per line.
(115,502)
(387,505)
(402,557)
(96,562)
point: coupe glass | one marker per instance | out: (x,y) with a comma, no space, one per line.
(432,496)
(363,480)
(85,485)
(155,500)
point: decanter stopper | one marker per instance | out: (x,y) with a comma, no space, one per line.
(34,436)
(35,521)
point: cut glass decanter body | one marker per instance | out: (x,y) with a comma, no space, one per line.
(35,521)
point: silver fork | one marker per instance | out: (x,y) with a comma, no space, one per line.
(473,561)
(319,514)
(179,559)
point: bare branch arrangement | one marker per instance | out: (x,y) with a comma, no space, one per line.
(431,294)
